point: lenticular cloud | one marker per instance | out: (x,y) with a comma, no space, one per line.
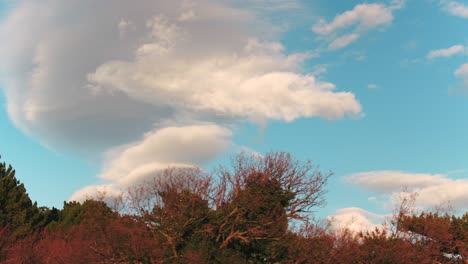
(92,76)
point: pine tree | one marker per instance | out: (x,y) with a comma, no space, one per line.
(17,211)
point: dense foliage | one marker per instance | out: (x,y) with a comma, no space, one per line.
(260,211)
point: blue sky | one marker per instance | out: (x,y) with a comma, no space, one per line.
(71,119)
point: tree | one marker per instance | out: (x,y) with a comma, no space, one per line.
(176,210)
(441,234)
(238,215)
(256,201)
(241,214)
(17,212)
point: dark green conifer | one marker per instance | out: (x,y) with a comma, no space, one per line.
(16,208)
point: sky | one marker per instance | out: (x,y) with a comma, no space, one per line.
(100,96)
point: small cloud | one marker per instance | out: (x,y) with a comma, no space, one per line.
(390,181)
(397,4)
(356,220)
(188,12)
(455,8)
(361,18)
(125,26)
(372,86)
(432,190)
(343,41)
(361,57)
(445,53)
(462,73)
(319,69)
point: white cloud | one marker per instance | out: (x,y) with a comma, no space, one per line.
(88,80)
(448,52)
(372,86)
(106,192)
(455,8)
(462,73)
(259,83)
(361,18)
(432,189)
(397,4)
(169,147)
(45,71)
(320,69)
(453,193)
(356,220)
(195,144)
(343,41)
(391,181)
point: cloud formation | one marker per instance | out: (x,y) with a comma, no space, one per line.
(174,147)
(448,52)
(356,219)
(258,83)
(391,181)
(349,26)
(462,73)
(453,193)
(432,189)
(343,41)
(362,16)
(84,77)
(455,8)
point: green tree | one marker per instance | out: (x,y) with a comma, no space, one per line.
(262,218)
(17,212)
(259,197)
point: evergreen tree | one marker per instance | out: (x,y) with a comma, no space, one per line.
(17,212)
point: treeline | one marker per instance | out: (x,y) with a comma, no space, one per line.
(259,211)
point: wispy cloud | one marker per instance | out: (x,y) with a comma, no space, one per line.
(275,5)
(448,52)
(362,16)
(355,22)
(343,41)
(455,8)
(462,73)
(390,181)
(432,189)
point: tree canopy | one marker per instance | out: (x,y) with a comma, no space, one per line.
(239,214)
